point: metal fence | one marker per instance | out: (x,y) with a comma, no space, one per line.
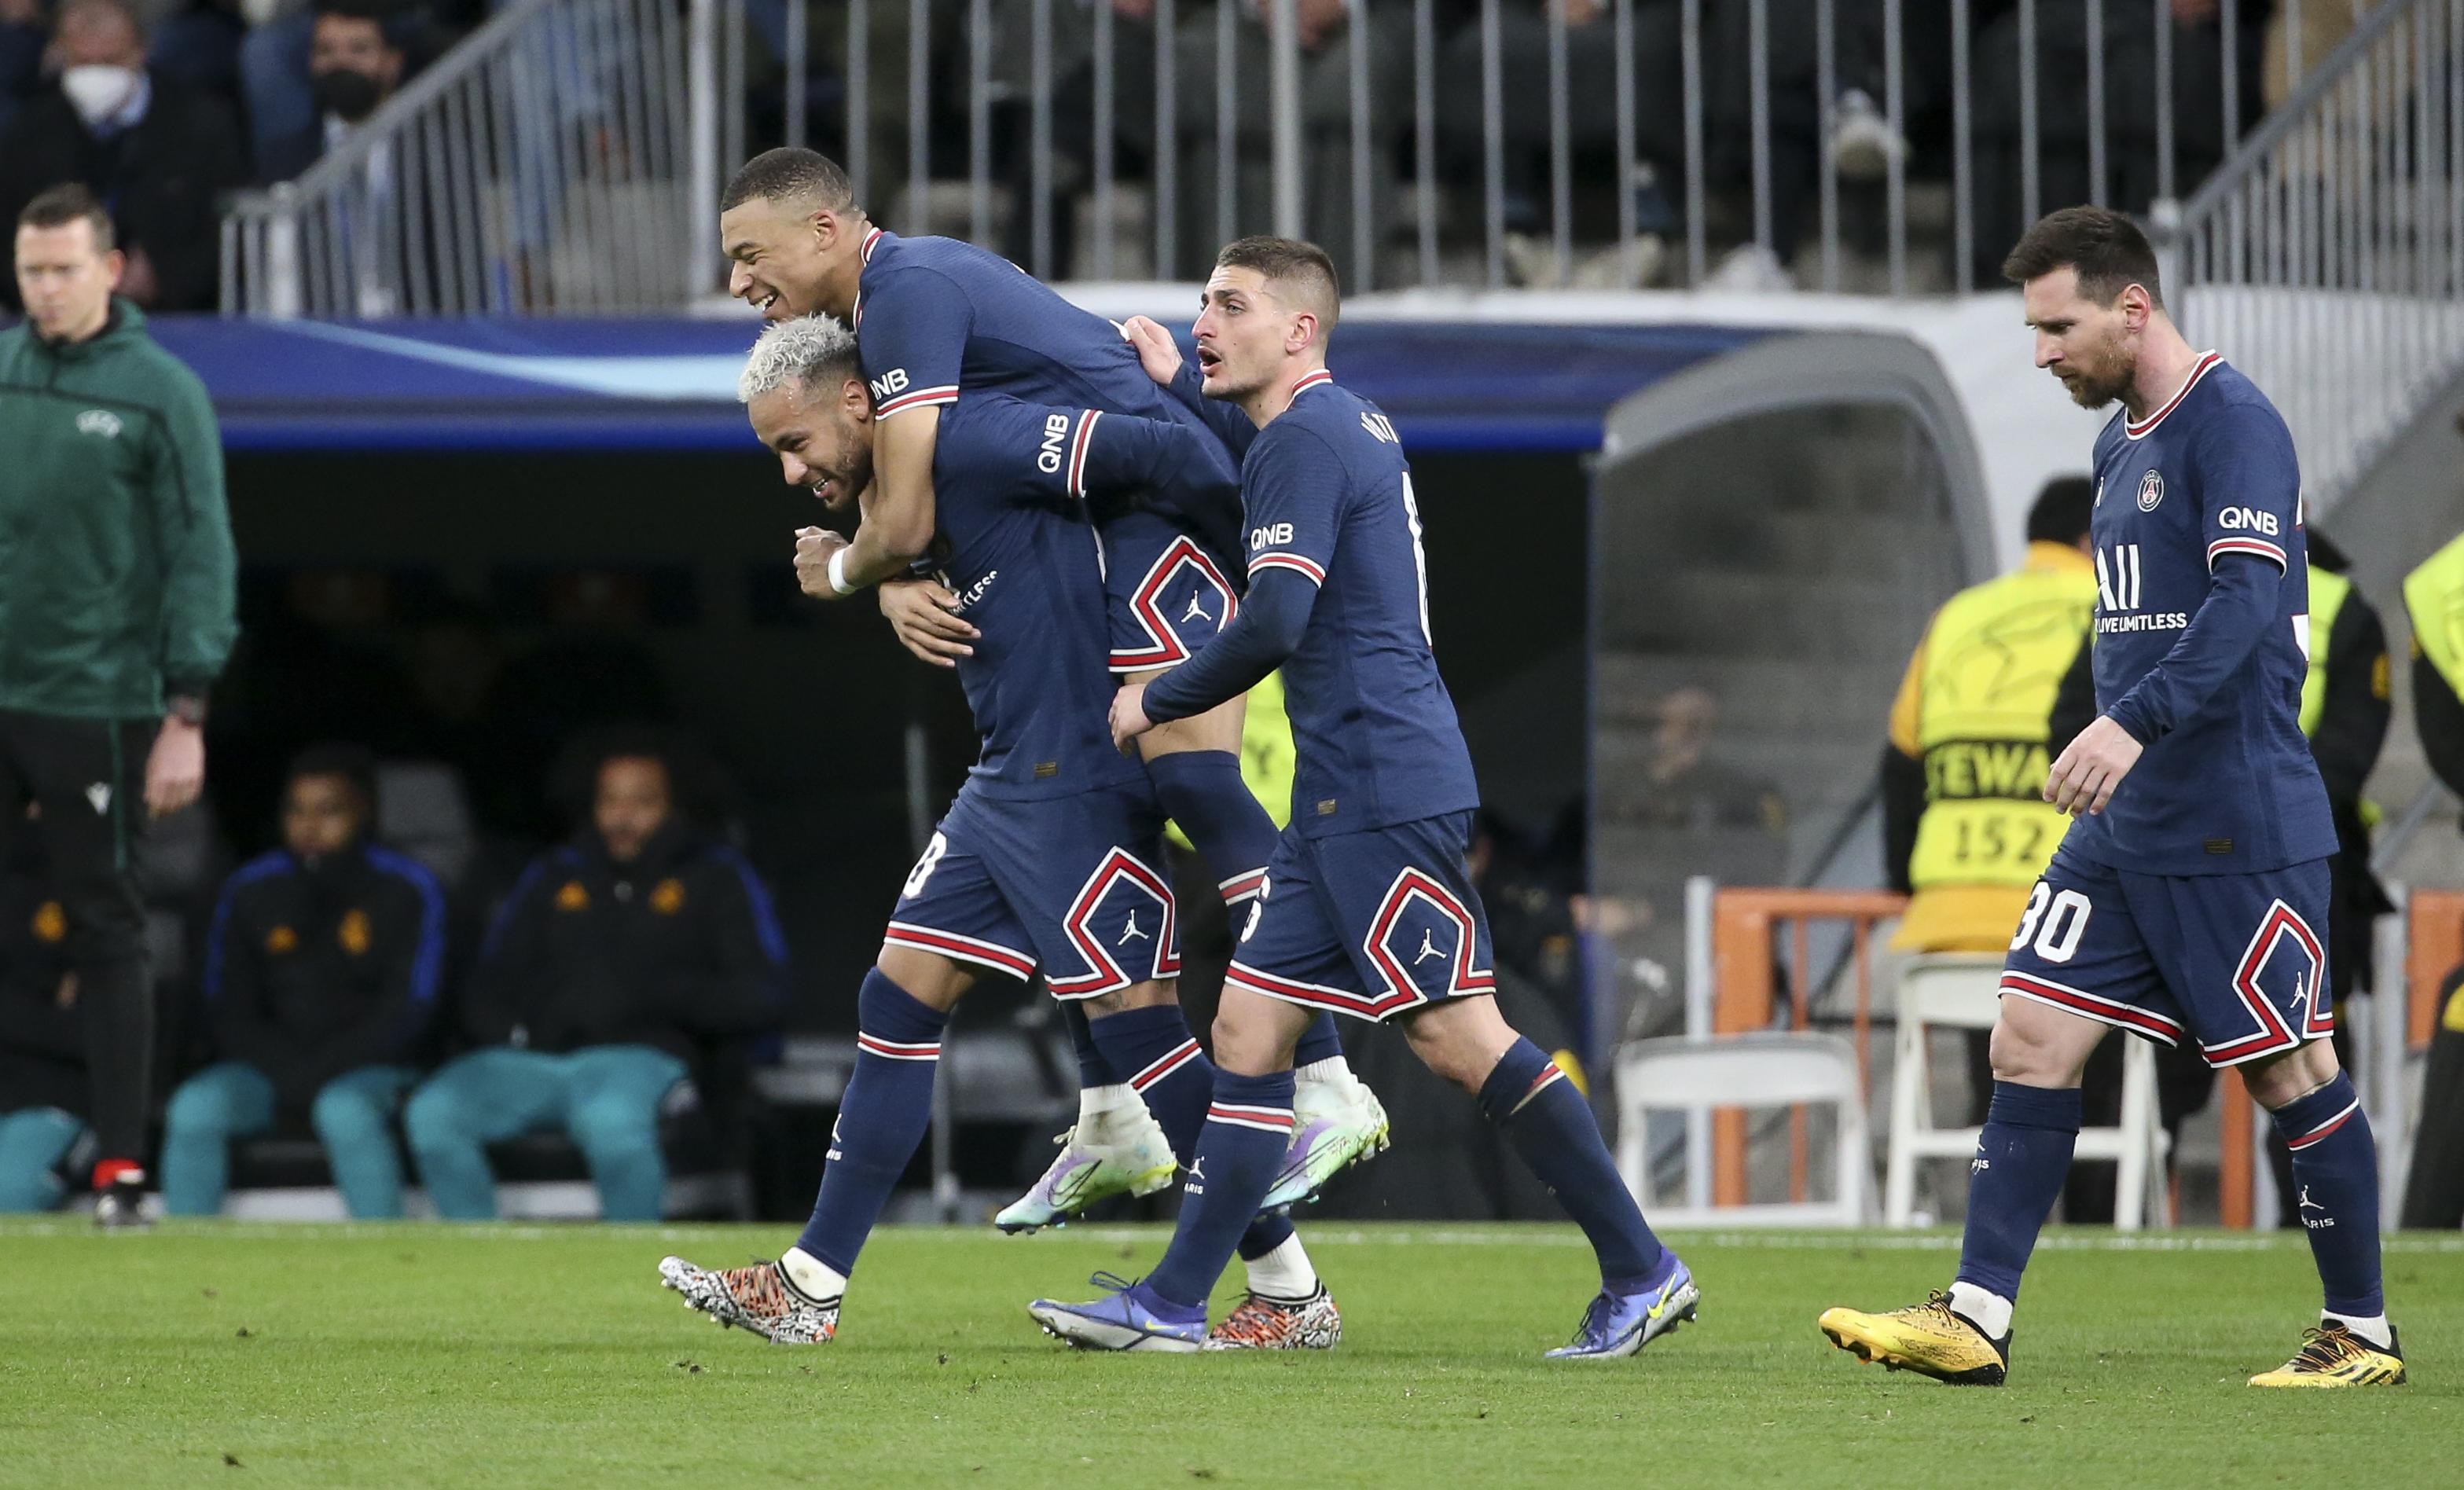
(563,158)
(2326,258)
(541,166)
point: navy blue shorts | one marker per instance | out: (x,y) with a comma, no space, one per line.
(1370,923)
(2235,961)
(1164,593)
(1076,884)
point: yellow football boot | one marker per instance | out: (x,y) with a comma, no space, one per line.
(2334,1356)
(1925,1338)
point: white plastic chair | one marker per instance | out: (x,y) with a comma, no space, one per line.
(1773,1069)
(1958,990)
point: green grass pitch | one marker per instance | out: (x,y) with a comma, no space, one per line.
(541,1356)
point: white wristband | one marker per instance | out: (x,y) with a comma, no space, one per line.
(838,573)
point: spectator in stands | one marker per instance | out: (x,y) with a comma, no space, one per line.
(1591,117)
(320,985)
(42,1037)
(1327,33)
(159,154)
(198,41)
(618,971)
(22,38)
(1073,117)
(354,66)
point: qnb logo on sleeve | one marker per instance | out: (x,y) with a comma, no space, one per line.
(889,385)
(2248,519)
(1056,434)
(1270,535)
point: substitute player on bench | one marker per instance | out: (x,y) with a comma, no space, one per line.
(1051,853)
(935,317)
(2189,897)
(1368,907)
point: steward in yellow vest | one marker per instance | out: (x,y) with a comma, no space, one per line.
(1967,828)
(2434,597)
(2346,701)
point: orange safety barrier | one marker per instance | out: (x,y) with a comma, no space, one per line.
(1742,954)
(2433,932)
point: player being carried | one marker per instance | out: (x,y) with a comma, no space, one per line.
(1051,852)
(2188,896)
(934,317)
(1370,877)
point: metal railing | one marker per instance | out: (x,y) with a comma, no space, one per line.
(539,166)
(2326,257)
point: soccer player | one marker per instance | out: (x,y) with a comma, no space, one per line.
(2188,896)
(1368,907)
(933,317)
(1053,851)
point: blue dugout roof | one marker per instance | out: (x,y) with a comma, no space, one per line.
(668,385)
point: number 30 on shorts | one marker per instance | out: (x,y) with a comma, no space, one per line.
(2055,920)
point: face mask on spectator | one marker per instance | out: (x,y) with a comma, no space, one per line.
(352,96)
(97,90)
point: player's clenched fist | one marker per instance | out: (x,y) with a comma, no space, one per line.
(2083,779)
(814,547)
(1130,715)
(1157,353)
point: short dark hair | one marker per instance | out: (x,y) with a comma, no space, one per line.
(58,206)
(2062,512)
(2104,248)
(790,173)
(698,791)
(353,763)
(1298,272)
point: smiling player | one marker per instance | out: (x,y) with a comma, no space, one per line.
(934,317)
(2186,899)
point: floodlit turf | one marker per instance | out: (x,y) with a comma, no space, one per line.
(469,1357)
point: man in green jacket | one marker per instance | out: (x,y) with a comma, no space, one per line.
(116,615)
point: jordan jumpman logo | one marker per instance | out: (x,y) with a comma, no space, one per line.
(1428,947)
(1132,931)
(1196,611)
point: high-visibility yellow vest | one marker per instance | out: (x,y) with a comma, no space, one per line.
(1991,666)
(2434,596)
(1267,755)
(2327,594)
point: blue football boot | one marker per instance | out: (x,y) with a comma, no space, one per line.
(1621,1324)
(1130,1319)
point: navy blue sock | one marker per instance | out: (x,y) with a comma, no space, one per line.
(882,1117)
(2336,1164)
(2021,1161)
(1203,791)
(1151,1049)
(1552,1130)
(1093,1070)
(1248,1127)
(1177,1082)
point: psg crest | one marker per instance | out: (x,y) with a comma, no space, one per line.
(2151,491)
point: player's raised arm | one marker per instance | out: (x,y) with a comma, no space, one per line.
(1181,377)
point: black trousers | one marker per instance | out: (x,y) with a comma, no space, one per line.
(87,779)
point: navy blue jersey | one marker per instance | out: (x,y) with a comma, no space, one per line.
(2201,643)
(935,316)
(1010,480)
(1329,500)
